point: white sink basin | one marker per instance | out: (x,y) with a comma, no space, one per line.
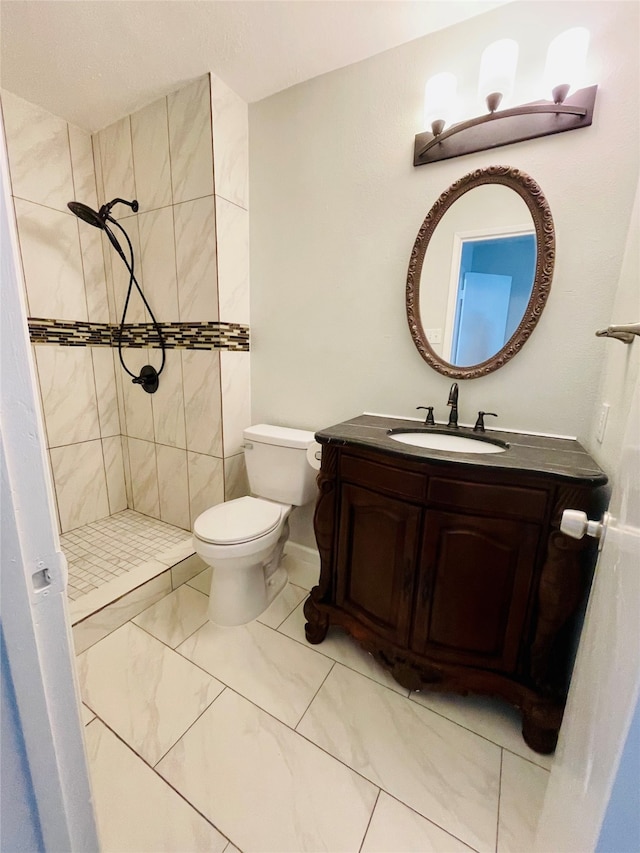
(448,443)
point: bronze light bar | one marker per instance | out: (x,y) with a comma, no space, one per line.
(503,127)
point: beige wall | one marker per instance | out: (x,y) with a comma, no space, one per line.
(112,446)
(337,203)
(621,362)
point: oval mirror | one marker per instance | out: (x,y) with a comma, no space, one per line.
(480,272)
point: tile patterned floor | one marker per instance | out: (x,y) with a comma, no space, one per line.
(106,549)
(248,739)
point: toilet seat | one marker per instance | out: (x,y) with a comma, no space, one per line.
(237,521)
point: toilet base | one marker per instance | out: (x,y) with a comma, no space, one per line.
(224,609)
(238,596)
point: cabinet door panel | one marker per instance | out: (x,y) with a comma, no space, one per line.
(474,587)
(377,553)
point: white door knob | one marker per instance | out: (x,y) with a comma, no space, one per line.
(576,524)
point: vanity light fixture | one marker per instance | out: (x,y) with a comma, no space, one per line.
(565,61)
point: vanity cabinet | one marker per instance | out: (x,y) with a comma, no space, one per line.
(381,533)
(454,576)
(474,578)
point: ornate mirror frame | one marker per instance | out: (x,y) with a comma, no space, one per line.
(540,212)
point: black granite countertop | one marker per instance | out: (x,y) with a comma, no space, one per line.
(563,458)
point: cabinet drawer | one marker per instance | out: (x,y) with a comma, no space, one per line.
(385,478)
(510,501)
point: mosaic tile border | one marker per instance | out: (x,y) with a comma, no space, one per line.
(78,333)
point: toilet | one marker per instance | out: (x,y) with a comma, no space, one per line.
(243,539)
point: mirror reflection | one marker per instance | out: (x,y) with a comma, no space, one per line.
(478,275)
(480,272)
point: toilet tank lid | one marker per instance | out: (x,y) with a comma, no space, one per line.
(282,436)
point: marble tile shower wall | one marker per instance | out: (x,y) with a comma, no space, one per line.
(171,454)
(51,163)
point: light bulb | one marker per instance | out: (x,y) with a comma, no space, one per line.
(566,60)
(498,70)
(440,99)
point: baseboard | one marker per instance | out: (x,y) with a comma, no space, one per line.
(302,564)
(302,552)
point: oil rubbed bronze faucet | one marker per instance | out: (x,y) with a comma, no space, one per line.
(453,402)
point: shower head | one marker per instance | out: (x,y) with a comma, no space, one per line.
(87,214)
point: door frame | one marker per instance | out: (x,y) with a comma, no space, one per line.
(35,619)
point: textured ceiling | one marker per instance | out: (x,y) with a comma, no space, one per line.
(93,61)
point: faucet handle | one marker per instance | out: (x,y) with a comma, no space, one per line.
(429,421)
(479,427)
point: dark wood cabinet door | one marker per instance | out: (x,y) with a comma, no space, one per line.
(474,585)
(378,546)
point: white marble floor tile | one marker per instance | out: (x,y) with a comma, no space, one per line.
(176,616)
(276,673)
(136,811)
(446,773)
(202,581)
(283,606)
(394,827)
(492,718)
(522,793)
(263,786)
(143,690)
(339,646)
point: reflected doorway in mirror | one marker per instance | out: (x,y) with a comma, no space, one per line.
(491,281)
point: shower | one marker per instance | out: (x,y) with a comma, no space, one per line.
(149,376)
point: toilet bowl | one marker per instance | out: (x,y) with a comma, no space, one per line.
(243,539)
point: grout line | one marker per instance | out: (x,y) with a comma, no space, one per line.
(369,821)
(314,648)
(499,798)
(473,731)
(231,201)
(45,206)
(295,731)
(153,769)
(410,697)
(191,725)
(416,812)
(320,686)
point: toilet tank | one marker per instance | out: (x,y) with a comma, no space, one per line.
(277,465)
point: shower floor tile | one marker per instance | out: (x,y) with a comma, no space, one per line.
(112,556)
